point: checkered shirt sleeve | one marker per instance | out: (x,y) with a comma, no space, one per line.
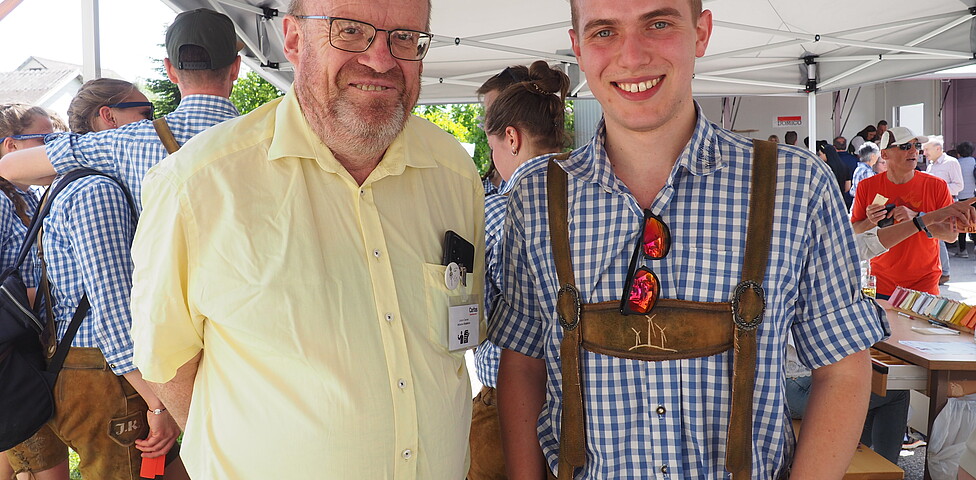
(87,236)
(487,355)
(128,152)
(644,416)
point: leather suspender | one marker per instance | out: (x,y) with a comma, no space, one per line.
(695,329)
(165,135)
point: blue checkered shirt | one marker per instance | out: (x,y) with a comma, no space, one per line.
(86,239)
(12,232)
(128,152)
(811,289)
(487,355)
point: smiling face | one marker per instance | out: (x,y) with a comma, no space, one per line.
(639,58)
(355,101)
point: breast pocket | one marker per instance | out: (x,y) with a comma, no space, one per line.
(439,301)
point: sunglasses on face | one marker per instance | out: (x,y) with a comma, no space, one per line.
(908,146)
(643,287)
(149,114)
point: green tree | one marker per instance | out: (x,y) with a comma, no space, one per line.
(164,94)
(251,91)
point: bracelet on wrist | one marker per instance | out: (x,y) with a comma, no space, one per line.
(157,411)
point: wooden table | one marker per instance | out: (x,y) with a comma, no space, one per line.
(939,366)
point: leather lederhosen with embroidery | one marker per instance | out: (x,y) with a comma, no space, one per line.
(694,329)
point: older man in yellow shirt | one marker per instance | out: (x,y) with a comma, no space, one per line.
(289,295)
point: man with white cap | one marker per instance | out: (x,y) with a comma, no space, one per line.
(913,263)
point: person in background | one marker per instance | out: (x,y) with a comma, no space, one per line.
(24,126)
(828,154)
(967,164)
(881,128)
(868,155)
(947,168)
(525,110)
(913,263)
(107,103)
(773,138)
(790,137)
(867,134)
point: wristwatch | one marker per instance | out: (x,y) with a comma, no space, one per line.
(920,224)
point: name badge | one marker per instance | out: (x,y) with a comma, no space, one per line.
(463,331)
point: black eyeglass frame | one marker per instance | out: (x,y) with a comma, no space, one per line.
(633,270)
(389,36)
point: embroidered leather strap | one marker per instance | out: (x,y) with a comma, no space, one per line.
(694,329)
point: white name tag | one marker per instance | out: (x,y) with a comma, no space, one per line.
(463,331)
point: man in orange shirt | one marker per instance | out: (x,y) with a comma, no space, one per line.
(913,263)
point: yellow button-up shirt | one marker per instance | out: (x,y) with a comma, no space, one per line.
(320,305)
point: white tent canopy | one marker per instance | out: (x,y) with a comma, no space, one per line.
(758,47)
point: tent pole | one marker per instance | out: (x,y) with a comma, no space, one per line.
(90,43)
(812,122)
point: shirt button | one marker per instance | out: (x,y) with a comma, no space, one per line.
(402,383)
(389,317)
(664,469)
(376,253)
(407,454)
(362,193)
(661,410)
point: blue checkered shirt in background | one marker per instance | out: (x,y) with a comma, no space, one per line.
(86,239)
(128,152)
(811,290)
(487,355)
(12,233)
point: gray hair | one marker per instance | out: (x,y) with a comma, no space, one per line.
(866,149)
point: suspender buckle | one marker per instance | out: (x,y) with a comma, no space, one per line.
(751,306)
(568,307)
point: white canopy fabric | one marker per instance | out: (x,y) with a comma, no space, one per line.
(758,47)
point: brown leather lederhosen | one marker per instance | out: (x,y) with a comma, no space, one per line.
(674,329)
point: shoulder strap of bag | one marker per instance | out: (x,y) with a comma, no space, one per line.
(165,135)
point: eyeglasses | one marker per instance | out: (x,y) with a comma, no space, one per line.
(643,287)
(908,146)
(47,137)
(151,114)
(356,36)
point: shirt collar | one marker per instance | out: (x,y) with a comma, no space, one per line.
(219,104)
(699,157)
(294,137)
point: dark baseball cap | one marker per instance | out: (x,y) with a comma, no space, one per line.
(207,29)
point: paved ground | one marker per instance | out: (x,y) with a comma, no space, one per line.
(962,281)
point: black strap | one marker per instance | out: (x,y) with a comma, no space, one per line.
(65,344)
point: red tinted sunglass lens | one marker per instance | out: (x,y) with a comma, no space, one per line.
(657,238)
(644,290)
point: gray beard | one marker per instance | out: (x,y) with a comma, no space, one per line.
(343,128)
